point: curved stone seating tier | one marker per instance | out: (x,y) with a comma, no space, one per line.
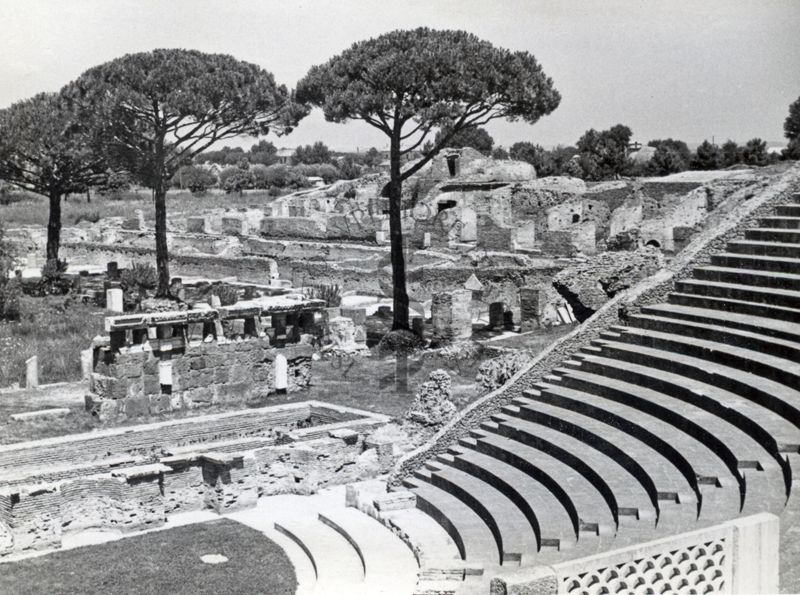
(760,325)
(685,416)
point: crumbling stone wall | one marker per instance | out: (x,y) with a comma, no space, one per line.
(588,285)
(255,269)
(213,373)
(36,515)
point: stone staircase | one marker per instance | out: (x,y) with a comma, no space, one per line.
(686,416)
(335,550)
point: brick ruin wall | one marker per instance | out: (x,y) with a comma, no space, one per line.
(203,475)
(205,374)
(253,269)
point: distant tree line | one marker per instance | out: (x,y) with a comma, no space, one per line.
(608,154)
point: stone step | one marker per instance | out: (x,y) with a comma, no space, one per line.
(752,339)
(766,234)
(774,297)
(336,563)
(761,391)
(717,482)
(620,489)
(780,221)
(389,566)
(511,528)
(779,329)
(788,210)
(758,278)
(733,445)
(703,470)
(470,533)
(735,306)
(777,368)
(547,516)
(557,488)
(772,432)
(755,262)
(651,468)
(764,248)
(436,552)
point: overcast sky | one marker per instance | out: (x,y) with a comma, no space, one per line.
(689,69)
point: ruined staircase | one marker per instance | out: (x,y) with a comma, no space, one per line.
(687,416)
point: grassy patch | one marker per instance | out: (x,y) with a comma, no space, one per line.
(56,329)
(32,209)
(160,562)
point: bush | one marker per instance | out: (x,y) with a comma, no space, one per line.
(10,290)
(140,276)
(433,405)
(330,294)
(92,216)
(137,281)
(496,372)
(196,179)
(236,179)
(115,184)
(52,281)
(10,294)
(227,294)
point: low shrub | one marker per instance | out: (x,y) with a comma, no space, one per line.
(137,281)
(330,294)
(227,294)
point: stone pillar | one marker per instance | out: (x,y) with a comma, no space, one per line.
(114,300)
(530,306)
(87,363)
(279,328)
(112,270)
(281,373)
(426,240)
(214,301)
(451,313)
(496,311)
(32,372)
(418,326)
(165,374)
(380,237)
(508,320)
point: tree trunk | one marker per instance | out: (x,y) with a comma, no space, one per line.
(54,228)
(162,254)
(400,301)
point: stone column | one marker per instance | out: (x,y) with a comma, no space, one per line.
(530,307)
(451,313)
(87,363)
(32,372)
(496,311)
(418,326)
(114,300)
(112,270)
(281,373)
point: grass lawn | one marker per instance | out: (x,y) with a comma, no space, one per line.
(56,329)
(159,563)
